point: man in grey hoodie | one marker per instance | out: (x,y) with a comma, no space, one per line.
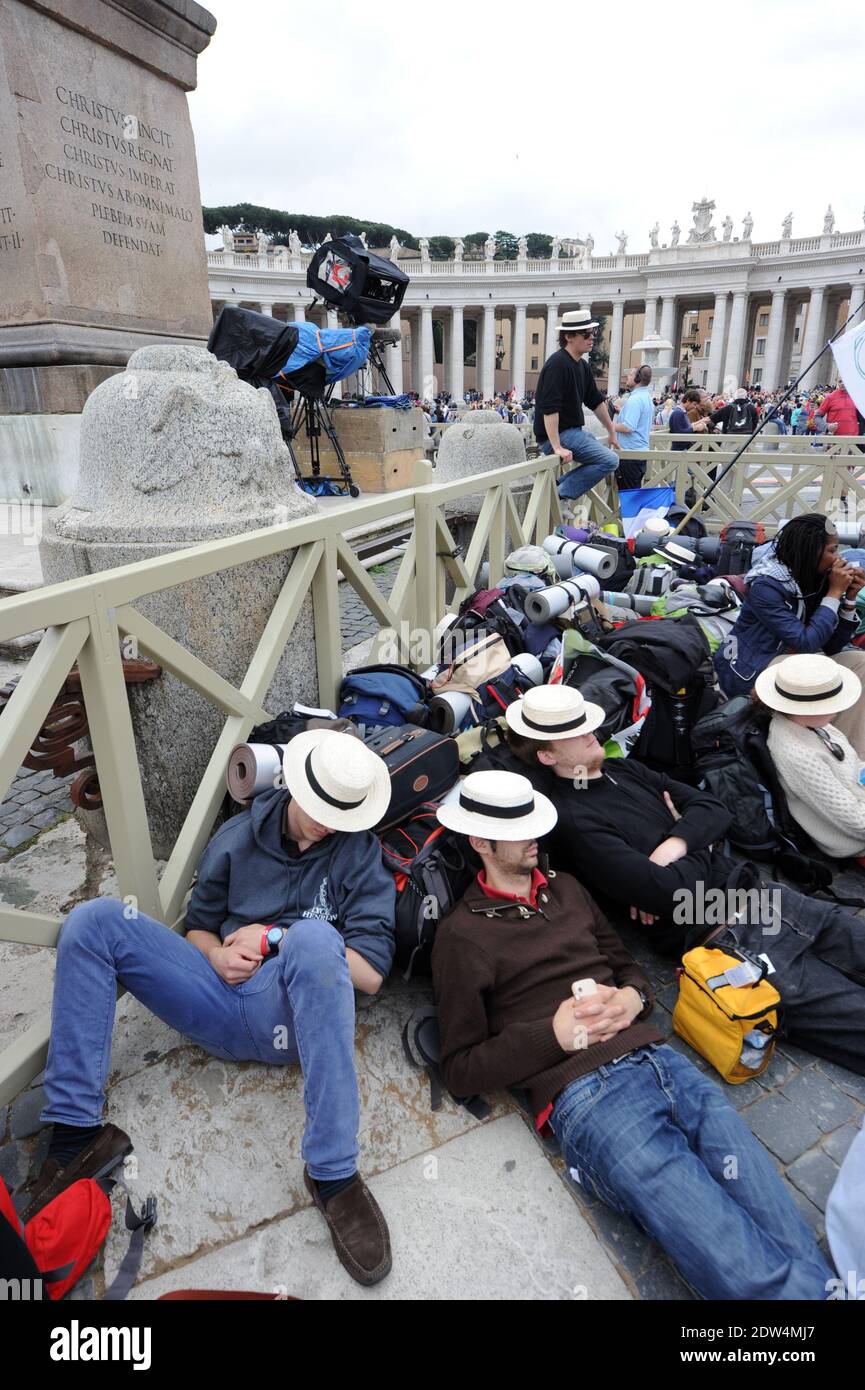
(292,910)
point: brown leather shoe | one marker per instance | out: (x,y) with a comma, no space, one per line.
(99,1157)
(357,1228)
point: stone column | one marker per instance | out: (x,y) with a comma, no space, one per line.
(488,370)
(771,366)
(393,358)
(414,339)
(267,309)
(814,337)
(333,322)
(427,363)
(651,321)
(456,354)
(736,340)
(716,353)
(614,371)
(668,331)
(857,299)
(518,351)
(299,313)
(550,341)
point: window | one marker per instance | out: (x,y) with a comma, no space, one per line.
(764,321)
(707,347)
(534,366)
(705,377)
(535,340)
(756,376)
(711,322)
(760,347)
(796,334)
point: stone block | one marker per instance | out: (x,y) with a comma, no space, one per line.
(629,1247)
(824,1102)
(25,1113)
(382,447)
(50,390)
(14,1161)
(661,1283)
(19,835)
(849,1081)
(785,1129)
(99,255)
(814,1174)
(837,1144)
(480,1217)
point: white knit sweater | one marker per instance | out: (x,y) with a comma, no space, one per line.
(824,794)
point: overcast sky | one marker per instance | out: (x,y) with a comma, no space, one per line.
(451,118)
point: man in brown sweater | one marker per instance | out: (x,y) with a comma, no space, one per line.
(640,1127)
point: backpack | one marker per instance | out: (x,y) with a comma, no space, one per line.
(739,421)
(738,540)
(651,576)
(498,693)
(383,695)
(421,1043)
(431,872)
(486,609)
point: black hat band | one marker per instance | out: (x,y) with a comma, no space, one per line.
(481,808)
(325,795)
(805,699)
(554,728)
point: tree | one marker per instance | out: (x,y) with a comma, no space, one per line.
(540,245)
(441,248)
(474,242)
(599,357)
(249,217)
(506,246)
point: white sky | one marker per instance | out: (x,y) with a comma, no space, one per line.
(563,118)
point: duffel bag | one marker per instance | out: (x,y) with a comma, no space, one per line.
(383,695)
(422,764)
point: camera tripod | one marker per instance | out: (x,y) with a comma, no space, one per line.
(312,414)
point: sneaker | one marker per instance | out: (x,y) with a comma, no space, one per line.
(96,1160)
(357,1228)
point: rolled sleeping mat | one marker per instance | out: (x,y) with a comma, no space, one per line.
(599,560)
(564,566)
(530,667)
(638,603)
(848,534)
(708,548)
(253,768)
(447,711)
(545,604)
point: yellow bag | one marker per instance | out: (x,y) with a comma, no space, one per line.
(721,998)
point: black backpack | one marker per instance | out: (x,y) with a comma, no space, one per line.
(432,871)
(738,540)
(484,611)
(741,418)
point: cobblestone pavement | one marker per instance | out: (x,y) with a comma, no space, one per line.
(356,620)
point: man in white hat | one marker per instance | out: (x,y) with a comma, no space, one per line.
(291,909)
(644,846)
(564,386)
(640,1127)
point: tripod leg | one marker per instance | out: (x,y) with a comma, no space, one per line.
(330,431)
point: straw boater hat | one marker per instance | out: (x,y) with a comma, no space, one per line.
(499,806)
(808,684)
(336,779)
(676,554)
(552,712)
(574,320)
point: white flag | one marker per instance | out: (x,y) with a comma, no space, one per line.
(850,356)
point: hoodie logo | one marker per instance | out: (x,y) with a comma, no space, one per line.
(321,908)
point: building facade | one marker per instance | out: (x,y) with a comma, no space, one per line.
(736,312)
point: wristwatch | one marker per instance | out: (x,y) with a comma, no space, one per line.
(271,940)
(643,996)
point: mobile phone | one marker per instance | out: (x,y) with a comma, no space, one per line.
(581,989)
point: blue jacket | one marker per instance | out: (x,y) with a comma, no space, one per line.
(246,876)
(772,623)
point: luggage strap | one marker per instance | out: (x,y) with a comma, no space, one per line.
(139,1224)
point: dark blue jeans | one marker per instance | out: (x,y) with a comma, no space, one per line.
(298,1006)
(655,1139)
(592,462)
(818,952)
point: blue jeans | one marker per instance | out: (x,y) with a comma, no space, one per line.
(655,1139)
(592,462)
(298,1006)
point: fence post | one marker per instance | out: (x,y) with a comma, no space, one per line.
(328,632)
(425,563)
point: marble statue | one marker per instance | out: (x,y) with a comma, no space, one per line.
(423,243)
(394,249)
(294,245)
(590,244)
(556,248)
(522,248)
(362,240)
(459,248)
(702,230)
(829,220)
(653,235)
(676,231)
(622,239)
(489,248)
(747,227)
(787,227)
(727,226)
(227,238)
(263,243)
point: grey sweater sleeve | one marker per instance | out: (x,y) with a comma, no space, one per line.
(365,900)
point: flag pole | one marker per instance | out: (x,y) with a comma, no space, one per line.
(769,414)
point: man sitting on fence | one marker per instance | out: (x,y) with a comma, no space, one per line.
(565,385)
(641,1128)
(645,847)
(291,909)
